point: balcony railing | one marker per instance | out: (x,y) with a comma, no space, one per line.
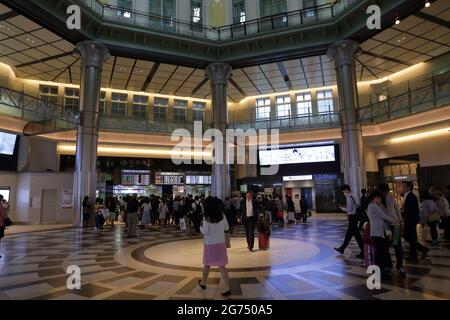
(432,92)
(45,116)
(305,16)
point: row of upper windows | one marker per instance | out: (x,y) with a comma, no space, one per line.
(167,9)
(304,103)
(119,104)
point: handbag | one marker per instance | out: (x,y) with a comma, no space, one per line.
(183,226)
(227,239)
(434,216)
(7,222)
(388,233)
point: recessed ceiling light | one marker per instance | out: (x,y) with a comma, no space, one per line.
(397,21)
(428,4)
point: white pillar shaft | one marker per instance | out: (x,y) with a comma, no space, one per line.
(343,53)
(218,73)
(92,56)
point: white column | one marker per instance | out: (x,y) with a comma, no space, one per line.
(343,54)
(92,55)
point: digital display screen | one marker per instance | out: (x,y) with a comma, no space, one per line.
(172,178)
(7,143)
(297,155)
(5,193)
(198,179)
(135,177)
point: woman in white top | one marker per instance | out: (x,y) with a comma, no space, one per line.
(379,224)
(146,207)
(162,210)
(215,251)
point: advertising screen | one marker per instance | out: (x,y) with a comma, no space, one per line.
(7,143)
(297,155)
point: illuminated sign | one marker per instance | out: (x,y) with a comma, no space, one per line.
(135,177)
(297,178)
(297,155)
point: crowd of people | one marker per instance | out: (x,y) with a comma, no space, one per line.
(385,224)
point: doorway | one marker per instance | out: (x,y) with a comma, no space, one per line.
(48,208)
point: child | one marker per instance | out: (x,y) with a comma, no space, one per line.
(264,233)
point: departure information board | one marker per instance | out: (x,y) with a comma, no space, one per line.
(173,178)
(194,179)
(135,177)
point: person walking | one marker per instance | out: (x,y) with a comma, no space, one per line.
(411,214)
(379,226)
(393,211)
(176,207)
(430,216)
(248,215)
(197,213)
(132,216)
(444,210)
(2,219)
(303,208)
(263,233)
(352,227)
(290,209)
(213,229)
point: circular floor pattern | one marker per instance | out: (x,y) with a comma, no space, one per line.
(187,255)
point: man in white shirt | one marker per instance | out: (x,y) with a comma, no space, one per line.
(352,228)
(248,216)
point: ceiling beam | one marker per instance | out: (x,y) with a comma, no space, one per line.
(185,80)
(61,55)
(433,19)
(367,68)
(150,76)
(168,79)
(64,70)
(251,81)
(8,15)
(380,56)
(131,73)
(197,87)
(283,72)
(321,70)
(112,71)
(267,79)
(238,88)
(304,73)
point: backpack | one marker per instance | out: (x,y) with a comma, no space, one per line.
(360,212)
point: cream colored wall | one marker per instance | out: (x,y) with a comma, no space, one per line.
(432,151)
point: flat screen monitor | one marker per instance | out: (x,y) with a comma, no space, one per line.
(5,192)
(7,143)
(297,155)
(135,177)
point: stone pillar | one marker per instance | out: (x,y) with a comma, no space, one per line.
(218,74)
(92,55)
(343,54)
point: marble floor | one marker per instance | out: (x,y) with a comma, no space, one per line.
(164,263)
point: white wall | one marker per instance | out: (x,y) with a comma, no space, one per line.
(9,180)
(26,185)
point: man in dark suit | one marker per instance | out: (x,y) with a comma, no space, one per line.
(411,214)
(248,215)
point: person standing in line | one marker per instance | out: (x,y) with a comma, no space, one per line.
(352,228)
(2,219)
(146,208)
(176,206)
(428,210)
(393,211)
(411,214)
(86,211)
(444,211)
(197,213)
(303,208)
(213,229)
(379,223)
(132,216)
(248,215)
(163,211)
(290,209)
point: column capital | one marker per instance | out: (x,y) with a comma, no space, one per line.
(343,52)
(218,73)
(92,53)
